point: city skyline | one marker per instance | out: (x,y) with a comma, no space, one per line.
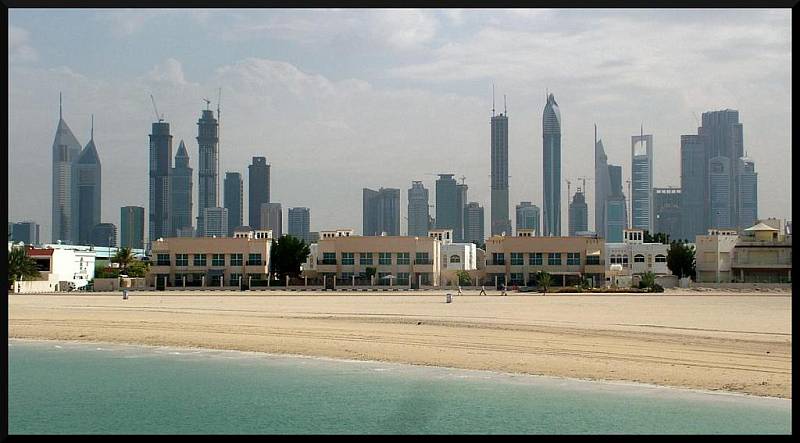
(290,88)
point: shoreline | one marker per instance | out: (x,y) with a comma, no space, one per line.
(612,383)
(734,344)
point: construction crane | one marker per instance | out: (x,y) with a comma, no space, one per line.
(462,179)
(161,118)
(583,179)
(208,103)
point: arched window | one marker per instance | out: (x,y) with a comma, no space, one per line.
(455,259)
(624,259)
(661,258)
(638,258)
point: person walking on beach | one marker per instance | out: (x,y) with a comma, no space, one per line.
(503,289)
(483,290)
(459,290)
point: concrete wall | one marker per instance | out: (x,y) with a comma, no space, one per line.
(35,286)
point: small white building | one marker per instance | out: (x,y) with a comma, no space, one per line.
(455,256)
(64,268)
(635,256)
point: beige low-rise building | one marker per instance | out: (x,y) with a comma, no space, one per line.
(516,260)
(763,254)
(341,258)
(713,255)
(636,256)
(211,262)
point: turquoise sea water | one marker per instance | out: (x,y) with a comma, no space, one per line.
(66,387)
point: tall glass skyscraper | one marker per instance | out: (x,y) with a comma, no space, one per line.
(499,183)
(381,211)
(86,192)
(528,217)
(747,193)
(473,223)
(450,200)
(551,125)
(642,181)
(258,189)
(578,214)
(181,191)
(418,210)
(131,224)
(208,172)
(65,151)
(299,220)
(234,200)
(160,181)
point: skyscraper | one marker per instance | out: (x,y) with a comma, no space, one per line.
(461,201)
(131,223)
(694,172)
(473,223)
(300,223)
(719,180)
(86,192)
(747,192)
(381,211)
(258,189)
(667,212)
(208,172)
(578,214)
(272,218)
(551,125)
(418,210)
(26,232)
(616,218)
(602,187)
(104,234)
(642,181)
(160,172)
(65,150)
(499,166)
(215,222)
(234,200)
(722,136)
(181,190)
(528,217)
(450,200)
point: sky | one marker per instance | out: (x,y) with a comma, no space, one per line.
(340,100)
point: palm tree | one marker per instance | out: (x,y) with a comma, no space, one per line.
(21,266)
(124,257)
(544,279)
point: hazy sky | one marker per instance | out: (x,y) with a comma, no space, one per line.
(345,99)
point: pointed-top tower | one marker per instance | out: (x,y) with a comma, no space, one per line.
(66,149)
(181,190)
(86,191)
(499,222)
(551,125)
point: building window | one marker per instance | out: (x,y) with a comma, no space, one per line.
(638,258)
(162,259)
(347,276)
(402,278)
(455,258)
(403,258)
(422,258)
(498,258)
(181,259)
(625,260)
(516,278)
(554,258)
(592,259)
(516,259)
(661,258)
(573,258)
(217,259)
(348,258)
(236,259)
(384,258)
(328,258)
(365,258)
(199,259)
(234,279)
(254,259)
(535,258)
(382,277)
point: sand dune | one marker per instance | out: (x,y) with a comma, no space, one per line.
(727,342)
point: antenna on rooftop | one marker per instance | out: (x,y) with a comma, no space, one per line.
(59,106)
(505,106)
(92,133)
(462,179)
(492,99)
(208,103)
(160,119)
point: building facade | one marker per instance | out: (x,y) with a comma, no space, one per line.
(215,221)
(762,254)
(418,210)
(381,211)
(450,200)
(104,234)
(747,192)
(636,256)
(26,232)
(299,220)
(529,217)
(714,255)
(578,214)
(87,189)
(616,212)
(64,268)
(719,182)
(551,124)
(473,223)
(722,135)
(642,182)
(234,200)
(181,192)
(500,222)
(667,210)
(208,165)
(258,189)
(65,151)
(160,180)
(272,219)
(131,224)
(694,172)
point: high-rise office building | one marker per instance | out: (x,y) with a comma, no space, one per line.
(616,212)
(299,220)
(181,190)
(272,218)
(461,201)
(86,191)
(719,181)
(500,221)
(747,192)
(642,181)
(26,232)
(667,210)
(65,151)
(450,200)
(104,234)
(381,211)
(208,167)
(234,200)
(578,214)
(551,125)
(529,217)
(215,222)
(160,181)
(258,189)
(418,210)
(694,174)
(131,224)
(473,223)
(722,136)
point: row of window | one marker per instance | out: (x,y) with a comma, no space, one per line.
(638,258)
(536,258)
(216,259)
(384,258)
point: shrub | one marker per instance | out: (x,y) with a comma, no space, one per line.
(657,288)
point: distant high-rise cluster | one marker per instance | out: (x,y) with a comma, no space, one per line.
(610,216)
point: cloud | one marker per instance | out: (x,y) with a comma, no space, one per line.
(169,72)
(19,47)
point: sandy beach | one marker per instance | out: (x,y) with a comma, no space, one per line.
(739,343)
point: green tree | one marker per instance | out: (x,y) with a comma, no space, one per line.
(463,278)
(287,254)
(370,271)
(647,281)
(21,266)
(681,260)
(545,280)
(124,257)
(658,237)
(138,268)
